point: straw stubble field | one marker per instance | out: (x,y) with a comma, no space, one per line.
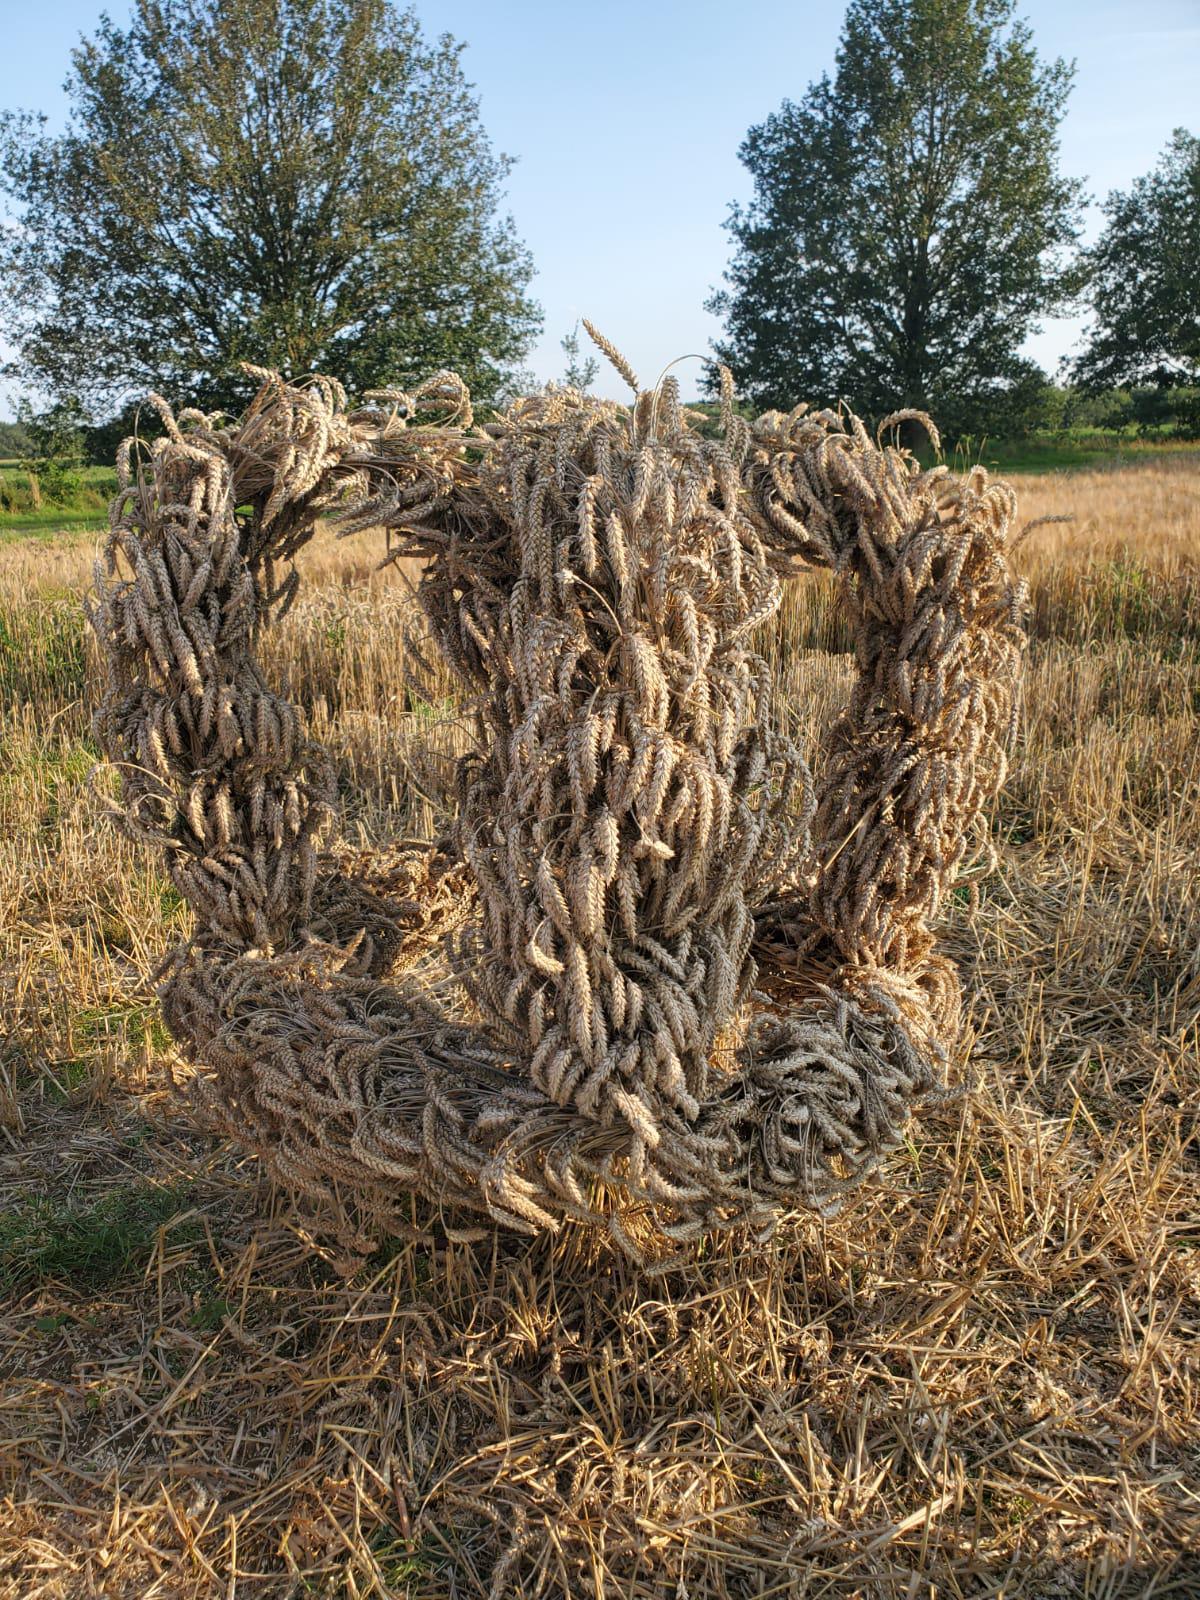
(980,1379)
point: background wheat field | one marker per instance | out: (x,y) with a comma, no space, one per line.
(981,1379)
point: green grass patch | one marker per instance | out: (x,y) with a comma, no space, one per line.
(52,1323)
(96,1032)
(76,501)
(45,1240)
(209,1314)
(131,1025)
(404,1562)
(50,524)
(41,781)
(1075,452)
(64,1079)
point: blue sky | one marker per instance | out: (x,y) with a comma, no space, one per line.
(626,119)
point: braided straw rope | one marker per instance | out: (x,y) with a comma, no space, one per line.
(591,1043)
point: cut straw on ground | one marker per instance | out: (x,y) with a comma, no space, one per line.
(980,1379)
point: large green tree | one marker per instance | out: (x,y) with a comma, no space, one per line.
(909,223)
(298,183)
(1145,284)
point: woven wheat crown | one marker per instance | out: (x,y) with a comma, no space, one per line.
(662,971)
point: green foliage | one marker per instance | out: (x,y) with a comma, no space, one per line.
(405,1562)
(298,183)
(55,453)
(1145,284)
(581,369)
(909,222)
(133,1026)
(1162,410)
(14,441)
(80,495)
(1153,412)
(210,1313)
(1187,413)
(707,415)
(44,1240)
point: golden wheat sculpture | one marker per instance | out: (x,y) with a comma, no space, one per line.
(638,845)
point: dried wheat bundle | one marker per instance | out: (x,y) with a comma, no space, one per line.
(589,1042)
(939,625)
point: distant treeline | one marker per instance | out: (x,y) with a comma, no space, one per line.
(1048,410)
(14,441)
(910,228)
(1170,412)
(1042,409)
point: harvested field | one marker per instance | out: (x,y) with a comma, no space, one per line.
(980,1379)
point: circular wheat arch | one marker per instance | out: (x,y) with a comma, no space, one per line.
(638,852)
